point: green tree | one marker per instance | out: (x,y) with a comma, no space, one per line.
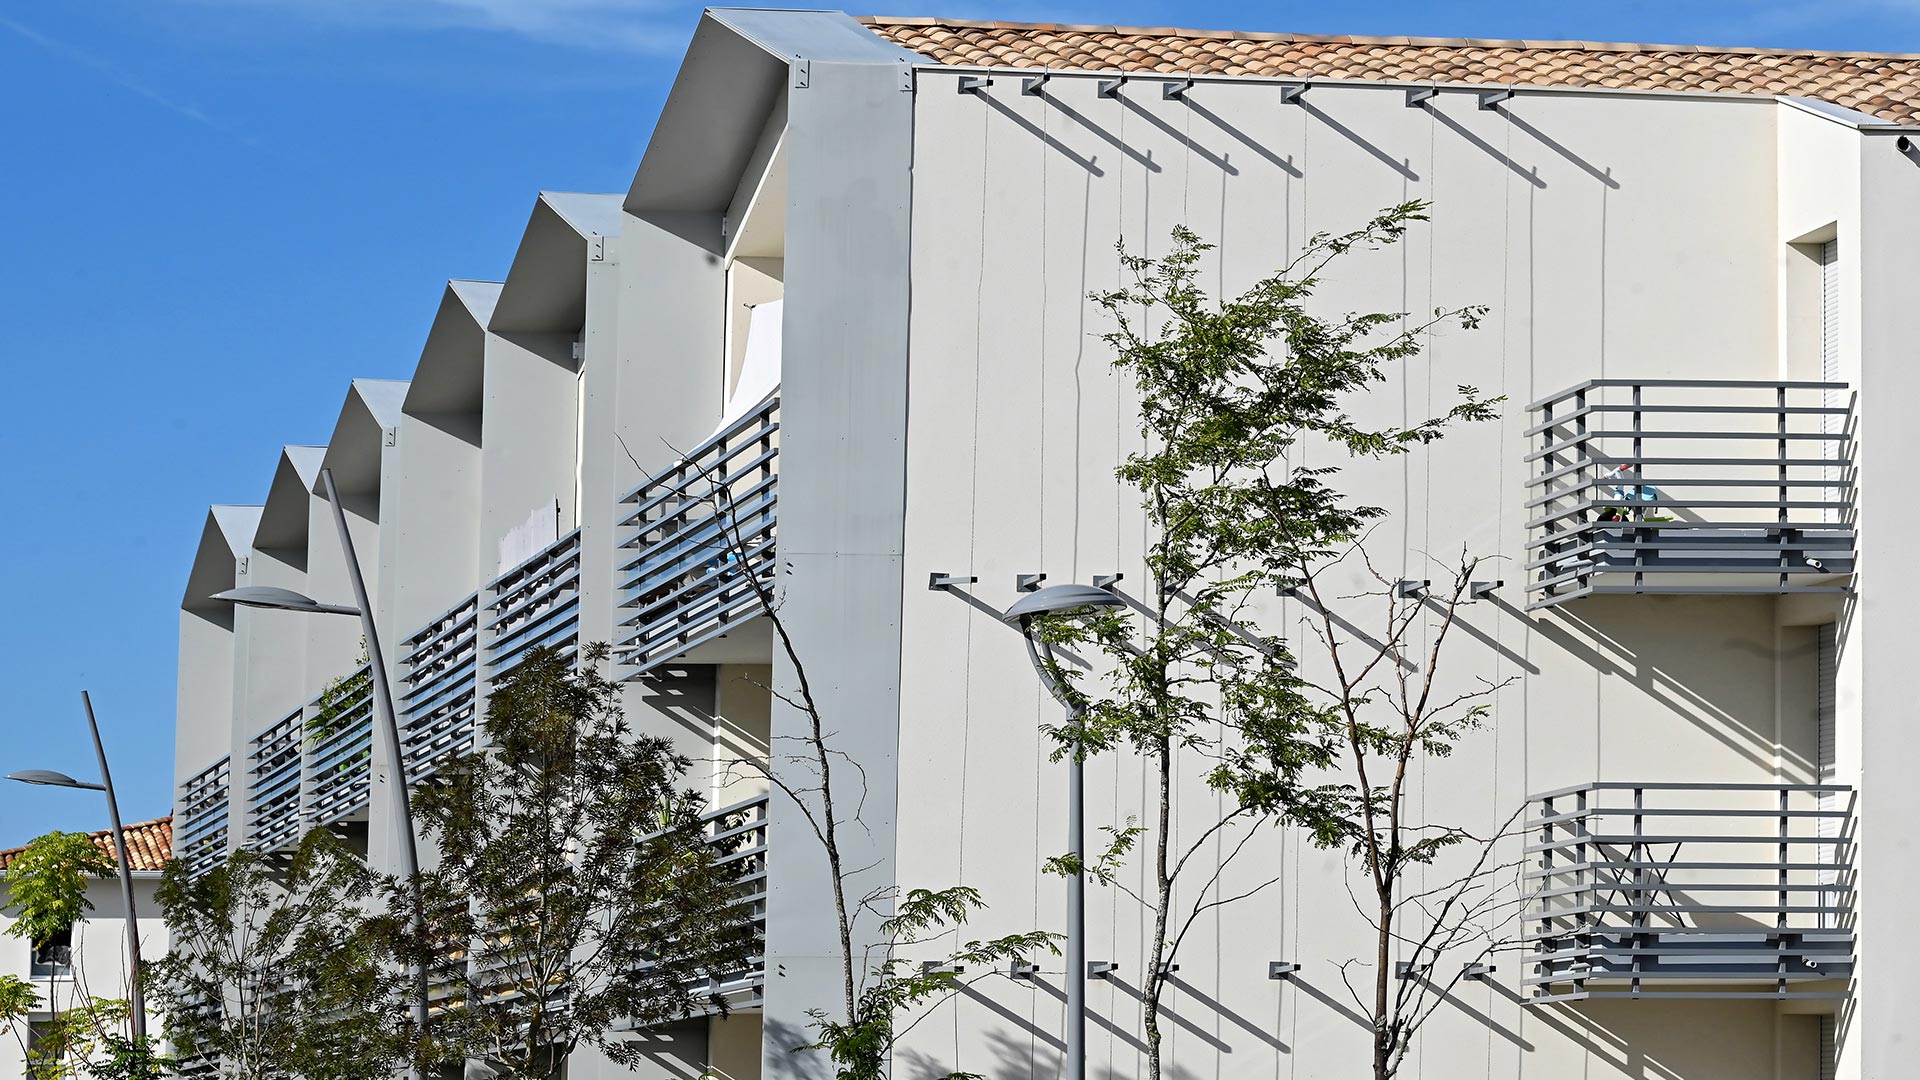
(577,872)
(290,970)
(47,885)
(18,1000)
(1229,391)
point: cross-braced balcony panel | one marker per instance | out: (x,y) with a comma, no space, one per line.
(437,700)
(536,603)
(273,786)
(1690,486)
(204,814)
(701,535)
(340,756)
(1691,891)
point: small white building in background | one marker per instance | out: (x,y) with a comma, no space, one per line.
(1697,261)
(90,960)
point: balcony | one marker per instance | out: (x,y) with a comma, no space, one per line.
(437,699)
(273,787)
(203,811)
(340,757)
(1691,891)
(1690,487)
(536,603)
(701,535)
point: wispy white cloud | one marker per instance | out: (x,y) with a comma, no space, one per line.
(645,26)
(118,76)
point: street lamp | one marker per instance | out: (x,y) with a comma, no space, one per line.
(49,778)
(1051,601)
(275,599)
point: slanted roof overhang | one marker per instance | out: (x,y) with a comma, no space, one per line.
(739,61)
(283,519)
(225,538)
(546,288)
(450,377)
(359,435)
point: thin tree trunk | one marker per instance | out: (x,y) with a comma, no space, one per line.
(1383,1038)
(1163,900)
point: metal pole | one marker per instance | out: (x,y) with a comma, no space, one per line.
(1076,1034)
(390,735)
(136,999)
(1076,913)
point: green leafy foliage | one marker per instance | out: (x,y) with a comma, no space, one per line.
(122,1057)
(1230,392)
(577,871)
(334,708)
(74,1041)
(291,971)
(18,999)
(47,884)
(861,1045)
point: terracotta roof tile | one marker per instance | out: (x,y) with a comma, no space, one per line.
(149,845)
(1884,85)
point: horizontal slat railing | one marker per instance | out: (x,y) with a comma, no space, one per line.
(1684,486)
(701,536)
(437,698)
(340,750)
(204,817)
(273,786)
(535,603)
(1694,891)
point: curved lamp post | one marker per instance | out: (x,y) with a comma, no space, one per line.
(276,599)
(49,778)
(1064,600)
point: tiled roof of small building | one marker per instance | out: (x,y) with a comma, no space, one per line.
(149,845)
(1885,85)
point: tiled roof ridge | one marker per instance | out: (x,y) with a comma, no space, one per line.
(1358,39)
(149,844)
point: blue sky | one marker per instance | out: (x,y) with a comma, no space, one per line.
(216,212)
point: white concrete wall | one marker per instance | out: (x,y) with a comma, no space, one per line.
(1612,236)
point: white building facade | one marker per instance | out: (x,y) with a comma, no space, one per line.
(89,961)
(1704,286)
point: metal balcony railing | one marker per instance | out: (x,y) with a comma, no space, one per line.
(203,813)
(1691,891)
(536,603)
(1690,486)
(701,533)
(741,830)
(273,787)
(438,722)
(340,750)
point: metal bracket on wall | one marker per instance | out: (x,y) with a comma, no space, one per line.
(1482,590)
(974,84)
(1420,95)
(1107,581)
(1281,969)
(1168,969)
(935,967)
(390,436)
(1293,93)
(1173,91)
(1476,972)
(1409,589)
(802,73)
(1404,969)
(1101,969)
(1111,87)
(1028,582)
(1032,85)
(1493,98)
(938,580)
(1020,969)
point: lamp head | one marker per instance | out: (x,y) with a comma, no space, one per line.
(1059,599)
(267,596)
(49,778)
